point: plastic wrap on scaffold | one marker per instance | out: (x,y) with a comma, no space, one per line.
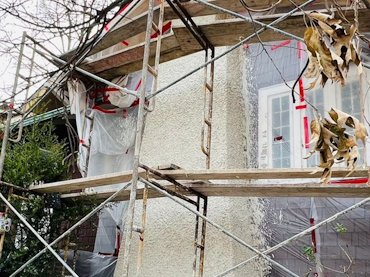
(112,150)
(119,98)
(88,264)
(340,248)
(113,134)
(78,106)
(113,138)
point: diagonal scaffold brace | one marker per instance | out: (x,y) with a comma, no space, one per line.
(24,221)
(297,236)
(72,228)
(220,228)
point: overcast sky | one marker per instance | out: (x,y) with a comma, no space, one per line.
(13,28)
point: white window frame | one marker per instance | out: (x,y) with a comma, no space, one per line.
(332,98)
(265,121)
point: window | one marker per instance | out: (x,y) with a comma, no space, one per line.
(281,127)
(276,128)
(316,98)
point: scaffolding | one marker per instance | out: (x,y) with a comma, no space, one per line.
(179,183)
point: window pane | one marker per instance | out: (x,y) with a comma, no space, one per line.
(285,103)
(285,119)
(280,131)
(285,162)
(276,164)
(316,98)
(276,120)
(275,150)
(275,105)
(350,101)
(285,132)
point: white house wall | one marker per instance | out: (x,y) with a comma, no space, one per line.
(172,135)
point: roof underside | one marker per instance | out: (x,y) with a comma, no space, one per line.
(110,58)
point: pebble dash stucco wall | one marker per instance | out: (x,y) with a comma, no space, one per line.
(172,135)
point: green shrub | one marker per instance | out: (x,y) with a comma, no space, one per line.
(39,157)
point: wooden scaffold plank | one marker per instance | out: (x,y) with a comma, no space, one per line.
(205,175)
(220,33)
(254,174)
(83,183)
(249,190)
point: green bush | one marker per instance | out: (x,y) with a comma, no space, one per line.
(38,158)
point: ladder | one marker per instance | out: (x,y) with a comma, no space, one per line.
(206,133)
(158,34)
(11,106)
(158,29)
(122,269)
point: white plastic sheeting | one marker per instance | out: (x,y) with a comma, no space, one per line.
(103,163)
(340,248)
(111,150)
(119,98)
(87,264)
(78,106)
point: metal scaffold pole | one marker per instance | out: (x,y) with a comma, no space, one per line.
(158,28)
(24,221)
(220,228)
(74,227)
(10,107)
(265,27)
(7,128)
(297,236)
(122,268)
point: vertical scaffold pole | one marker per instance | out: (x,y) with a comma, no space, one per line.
(206,140)
(203,238)
(122,268)
(142,233)
(11,105)
(158,29)
(7,126)
(196,239)
(200,237)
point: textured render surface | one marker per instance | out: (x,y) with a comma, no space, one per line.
(172,135)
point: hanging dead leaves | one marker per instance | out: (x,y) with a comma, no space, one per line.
(334,143)
(331,48)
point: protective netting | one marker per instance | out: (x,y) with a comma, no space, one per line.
(340,248)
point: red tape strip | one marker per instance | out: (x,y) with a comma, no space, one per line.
(103,110)
(306,132)
(123,9)
(299,46)
(301,107)
(313,235)
(98,90)
(165,28)
(301,89)
(138,85)
(282,44)
(351,181)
